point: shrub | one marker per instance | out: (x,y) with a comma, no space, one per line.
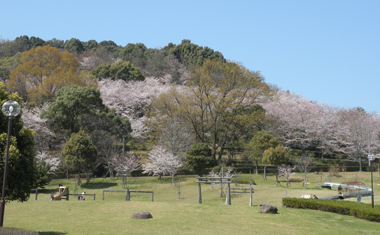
(359,210)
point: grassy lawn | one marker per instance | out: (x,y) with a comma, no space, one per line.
(185,215)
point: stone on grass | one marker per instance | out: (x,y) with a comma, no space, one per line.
(266,208)
(142,215)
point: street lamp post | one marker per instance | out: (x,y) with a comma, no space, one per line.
(370,159)
(10,109)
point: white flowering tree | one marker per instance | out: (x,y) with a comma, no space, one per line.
(285,171)
(162,162)
(46,165)
(131,99)
(32,120)
(125,163)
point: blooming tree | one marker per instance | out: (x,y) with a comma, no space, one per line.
(131,99)
(364,129)
(162,162)
(176,137)
(32,120)
(44,157)
(225,174)
(305,163)
(298,119)
(46,165)
(124,164)
(285,171)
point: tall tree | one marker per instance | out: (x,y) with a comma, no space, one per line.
(214,102)
(82,109)
(43,71)
(176,137)
(125,163)
(80,154)
(21,173)
(7,64)
(257,146)
(134,102)
(363,136)
(276,156)
(161,162)
(199,157)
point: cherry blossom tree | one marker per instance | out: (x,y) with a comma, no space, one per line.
(161,162)
(32,120)
(222,173)
(298,119)
(53,162)
(364,129)
(286,171)
(176,137)
(132,99)
(46,165)
(125,163)
(305,163)
(108,149)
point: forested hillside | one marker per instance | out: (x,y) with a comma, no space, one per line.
(163,101)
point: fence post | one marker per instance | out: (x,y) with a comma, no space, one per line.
(199,194)
(250,198)
(128,198)
(228,197)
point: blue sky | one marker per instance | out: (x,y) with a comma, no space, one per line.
(328,51)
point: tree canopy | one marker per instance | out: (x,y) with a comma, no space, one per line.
(78,109)
(43,71)
(199,157)
(21,173)
(80,153)
(120,70)
(217,101)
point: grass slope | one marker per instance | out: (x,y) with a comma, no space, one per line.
(184,216)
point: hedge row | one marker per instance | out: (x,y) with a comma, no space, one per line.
(359,210)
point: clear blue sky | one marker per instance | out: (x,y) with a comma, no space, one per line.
(326,50)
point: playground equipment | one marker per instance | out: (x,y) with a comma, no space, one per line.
(63,192)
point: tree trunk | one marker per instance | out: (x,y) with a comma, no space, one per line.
(277,178)
(124,181)
(79,182)
(304,177)
(360,163)
(220,155)
(88,178)
(265,171)
(257,163)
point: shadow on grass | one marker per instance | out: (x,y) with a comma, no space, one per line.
(15,231)
(51,233)
(98,185)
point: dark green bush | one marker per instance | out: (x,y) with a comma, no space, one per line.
(359,210)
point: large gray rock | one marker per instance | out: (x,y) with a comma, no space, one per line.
(142,215)
(266,208)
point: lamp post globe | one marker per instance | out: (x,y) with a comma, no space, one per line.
(10,109)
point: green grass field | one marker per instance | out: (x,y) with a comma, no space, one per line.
(185,215)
